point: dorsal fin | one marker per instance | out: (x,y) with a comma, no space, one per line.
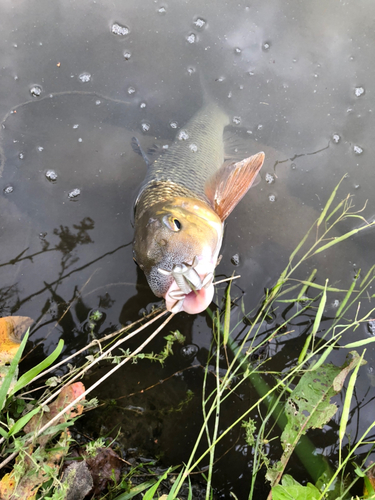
(230,184)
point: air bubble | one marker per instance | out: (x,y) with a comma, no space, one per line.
(142,105)
(237,50)
(335,303)
(40,148)
(145,127)
(371,326)
(80,139)
(293,166)
(74,193)
(51,175)
(76,125)
(358,91)
(193,148)
(131,90)
(336,138)
(98,102)
(162,10)
(127,55)
(272,198)
(191,38)
(36,90)
(173,124)
(357,150)
(236,120)
(84,77)
(269,178)
(199,22)
(183,135)
(117,29)
(8,190)
(259,127)
(191,70)
(189,351)
(266,46)
(21,156)
(235,260)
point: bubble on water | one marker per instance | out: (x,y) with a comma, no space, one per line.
(74,193)
(127,55)
(191,70)
(21,156)
(8,190)
(80,139)
(162,10)
(145,127)
(272,198)
(293,166)
(43,235)
(84,77)
(357,186)
(189,351)
(335,304)
(15,45)
(269,178)
(336,138)
(259,127)
(142,105)
(193,148)
(357,150)
(191,38)
(117,29)
(235,260)
(199,22)
(371,326)
(183,135)
(173,124)
(251,73)
(76,125)
(131,90)
(97,102)
(51,175)
(358,91)
(236,120)
(237,50)
(36,90)
(266,46)
(165,146)
(40,148)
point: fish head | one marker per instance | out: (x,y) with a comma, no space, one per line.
(176,244)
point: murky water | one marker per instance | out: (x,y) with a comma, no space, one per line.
(80,79)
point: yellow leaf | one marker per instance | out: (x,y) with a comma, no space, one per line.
(11,330)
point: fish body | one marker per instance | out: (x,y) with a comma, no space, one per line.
(188,192)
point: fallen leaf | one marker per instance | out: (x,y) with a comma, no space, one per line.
(104,467)
(11,330)
(66,396)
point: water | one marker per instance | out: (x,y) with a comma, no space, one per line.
(297,82)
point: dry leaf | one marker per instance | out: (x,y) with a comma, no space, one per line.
(11,330)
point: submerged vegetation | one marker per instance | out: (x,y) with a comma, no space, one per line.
(35,421)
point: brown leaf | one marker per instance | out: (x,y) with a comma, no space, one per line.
(66,396)
(105,466)
(11,330)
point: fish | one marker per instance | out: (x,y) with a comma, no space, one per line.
(187,194)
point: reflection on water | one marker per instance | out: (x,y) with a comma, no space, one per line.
(80,79)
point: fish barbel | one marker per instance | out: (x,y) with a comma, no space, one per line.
(187,194)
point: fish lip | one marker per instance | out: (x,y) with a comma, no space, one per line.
(193,302)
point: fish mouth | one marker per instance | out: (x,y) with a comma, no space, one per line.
(192,289)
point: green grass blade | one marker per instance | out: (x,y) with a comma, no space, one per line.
(171,494)
(328,204)
(342,238)
(29,376)
(364,281)
(12,368)
(348,399)
(335,210)
(149,495)
(319,314)
(136,490)
(227,316)
(301,243)
(20,424)
(359,343)
(306,286)
(347,296)
(321,287)
(323,357)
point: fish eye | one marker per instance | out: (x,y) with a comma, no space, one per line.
(172,223)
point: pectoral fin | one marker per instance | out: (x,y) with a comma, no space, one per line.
(231,183)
